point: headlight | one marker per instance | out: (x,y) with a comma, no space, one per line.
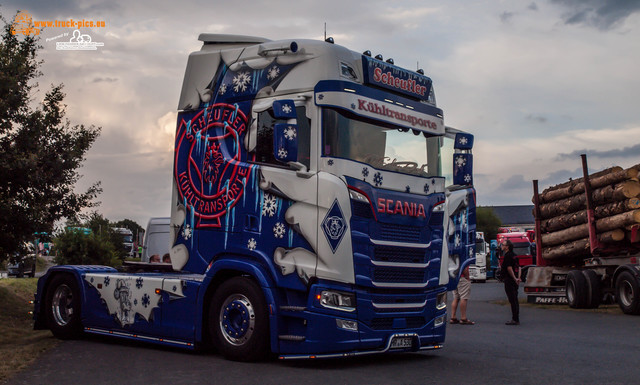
(337,300)
(358,196)
(441,301)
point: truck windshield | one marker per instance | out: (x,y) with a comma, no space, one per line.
(384,147)
(521,248)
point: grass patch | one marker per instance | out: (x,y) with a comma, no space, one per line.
(20,345)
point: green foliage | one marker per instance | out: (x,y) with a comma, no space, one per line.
(487,222)
(73,247)
(41,151)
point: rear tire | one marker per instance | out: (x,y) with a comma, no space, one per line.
(628,293)
(594,289)
(239,320)
(576,289)
(62,307)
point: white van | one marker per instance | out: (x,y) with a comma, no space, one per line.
(157,238)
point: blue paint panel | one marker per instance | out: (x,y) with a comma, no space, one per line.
(284,109)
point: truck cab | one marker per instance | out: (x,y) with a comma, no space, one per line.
(320,208)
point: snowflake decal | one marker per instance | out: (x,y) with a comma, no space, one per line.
(241,81)
(174,288)
(470,252)
(146,300)
(463,220)
(223,89)
(139,282)
(407,189)
(321,96)
(107,280)
(290,133)
(464,141)
(269,205)
(251,245)
(461,161)
(467,178)
(282,153)
(426,188)
(187,232)
(353,106)
(278,230)
(286,109)
(377,179)
(135,302)
(457,240)
(330,162)
(91,280)
(365,172)
(273,73)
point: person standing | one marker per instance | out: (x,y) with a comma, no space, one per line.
(461,296)
(511,273)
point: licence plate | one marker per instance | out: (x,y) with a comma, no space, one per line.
(401,342)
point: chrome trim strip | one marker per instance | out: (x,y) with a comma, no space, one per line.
(401,264)
(401,244)
(398,305)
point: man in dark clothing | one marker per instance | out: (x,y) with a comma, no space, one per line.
(511,273)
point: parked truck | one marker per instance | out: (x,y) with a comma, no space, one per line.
(478,269)
(588,241)
(320,208)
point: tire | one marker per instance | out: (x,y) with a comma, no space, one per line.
(62,307)
(594,289)
(576,289)
(239,320)
(628,293)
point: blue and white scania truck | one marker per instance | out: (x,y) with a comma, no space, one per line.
(320,208)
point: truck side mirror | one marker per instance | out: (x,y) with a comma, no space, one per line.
(284,109)
(285,142)
(463,160)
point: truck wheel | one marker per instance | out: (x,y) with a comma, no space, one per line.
(594,290)
(239,321)
(62,306)
(628,293)
(576,289)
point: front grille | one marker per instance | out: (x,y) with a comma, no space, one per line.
(362,209)
(387,323)
(399,233)
(398,275)
(398,255)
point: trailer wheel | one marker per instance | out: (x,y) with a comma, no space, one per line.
(62,305)
(576,289)
(239,321)
(628,293)
(594,290)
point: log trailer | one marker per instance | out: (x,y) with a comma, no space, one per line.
(588,241)
(320,208)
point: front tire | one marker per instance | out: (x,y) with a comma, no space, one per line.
(239,321)
(62,306)
(628,293)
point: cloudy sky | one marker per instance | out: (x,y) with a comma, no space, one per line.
(537,82)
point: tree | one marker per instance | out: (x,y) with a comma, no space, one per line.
(487,222)
(41,151)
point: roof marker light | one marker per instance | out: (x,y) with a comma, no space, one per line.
(379,57)
(329,40)
(349,90)
(390,61)
(420,71)
(367,53)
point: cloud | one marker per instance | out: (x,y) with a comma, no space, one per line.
(506,17)
(533,7)
(536,118)
(602,14)
(631,151)
(108,80)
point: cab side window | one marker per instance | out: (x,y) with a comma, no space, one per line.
(264,141)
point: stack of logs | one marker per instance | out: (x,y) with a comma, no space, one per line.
(616,204)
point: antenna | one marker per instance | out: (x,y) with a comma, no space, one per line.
(325,30)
